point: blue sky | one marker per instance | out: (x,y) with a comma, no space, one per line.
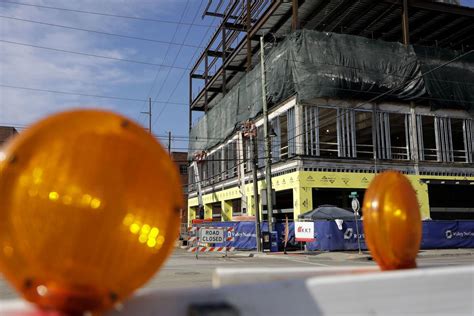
(468,3)
(25,66)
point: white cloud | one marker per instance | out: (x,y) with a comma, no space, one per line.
(42,69)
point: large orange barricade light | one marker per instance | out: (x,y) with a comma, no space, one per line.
(392,221)
(89,210)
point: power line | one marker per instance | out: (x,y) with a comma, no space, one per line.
(167,49)
(100,32)
(179,51)
(174,62)
(103,14)
(85,94)
(93,55)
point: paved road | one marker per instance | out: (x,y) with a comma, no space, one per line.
(183,270)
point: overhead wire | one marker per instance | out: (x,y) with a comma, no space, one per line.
(183,12)
(100,32)
(129,99)
(82,94)
(92,55)
(182,75)
(176,58)
(102,13)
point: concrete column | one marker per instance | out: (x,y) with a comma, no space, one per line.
(207,211)
(226,211)
(299,129)
(302,200)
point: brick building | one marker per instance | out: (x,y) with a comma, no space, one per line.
(180,158)
(6,132)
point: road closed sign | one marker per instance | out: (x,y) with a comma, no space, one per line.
(211,235)
(304,231)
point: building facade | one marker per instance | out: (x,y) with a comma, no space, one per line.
(316,164)
(325,144)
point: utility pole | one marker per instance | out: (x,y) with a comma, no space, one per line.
(169,142)
(268,158)
(149,115)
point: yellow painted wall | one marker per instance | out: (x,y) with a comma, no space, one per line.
(301,182)
(191,213)
(302,200)
(226,211)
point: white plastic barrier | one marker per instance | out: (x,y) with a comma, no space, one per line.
(428,291)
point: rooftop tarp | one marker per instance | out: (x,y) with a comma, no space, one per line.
(312,65)
(448,77)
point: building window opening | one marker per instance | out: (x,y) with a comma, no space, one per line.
(364,135)
(399,136)
(328,146)
(183,169)
(237,207)
(275,137)
(311,131)
(246,154)
(459,205)
(459,140)
(429,138)
(283,123)
(216,212)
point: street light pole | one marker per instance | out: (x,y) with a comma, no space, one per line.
(268,158)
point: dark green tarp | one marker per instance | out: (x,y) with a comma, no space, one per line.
(313,65)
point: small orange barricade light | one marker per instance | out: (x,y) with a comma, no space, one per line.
(89,210)
(392,221)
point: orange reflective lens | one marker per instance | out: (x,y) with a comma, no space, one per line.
(89,210)
(392,221)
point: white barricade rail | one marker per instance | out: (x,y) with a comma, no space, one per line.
(210,249)
(421,291)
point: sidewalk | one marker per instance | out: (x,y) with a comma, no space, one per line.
(353,255)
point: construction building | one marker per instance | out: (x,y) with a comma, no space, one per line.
(353,88)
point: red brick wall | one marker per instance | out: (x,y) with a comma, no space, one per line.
(5,133)
(181,160)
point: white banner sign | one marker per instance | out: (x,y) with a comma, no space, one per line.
(211,235)
(304,231)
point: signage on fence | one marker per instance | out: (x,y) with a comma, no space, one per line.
(211,235)
(304,231)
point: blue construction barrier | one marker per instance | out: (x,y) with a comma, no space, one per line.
(447,234)
(328,237)
(435,235)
